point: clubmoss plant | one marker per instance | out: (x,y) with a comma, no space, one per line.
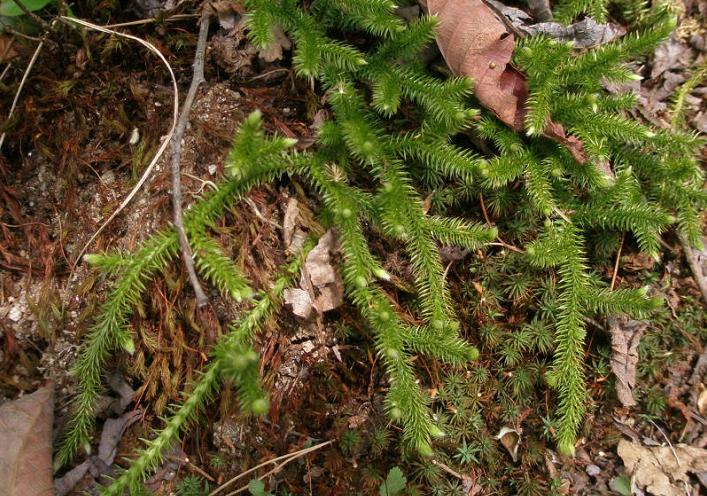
(392,141)
(233,359)
(111,331)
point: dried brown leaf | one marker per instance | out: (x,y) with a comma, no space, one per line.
(702,400)
(26,444)
(99,464)
(662,471)
(625,337)
(510,439)
(228,13)
(321,288)
(280,42)
(670,55)
(475,42)
(290,221)
(319,261)
(583,34)
(300,302)
(112,433)
(330,297)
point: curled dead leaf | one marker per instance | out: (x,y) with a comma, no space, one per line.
(510,439)
(475,42)
(280,42)
(702,400)
(625,338)
(299,301)
(7,50)
(99,464)
(321,288)
(289,223)
(583,34)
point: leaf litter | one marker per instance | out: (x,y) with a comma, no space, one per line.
(321,288)
(26,444)
(99,465)
(475,42)
(664,470)
(583,34)
(96,467)
(625,338)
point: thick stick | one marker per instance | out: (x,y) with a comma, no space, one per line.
(197,79)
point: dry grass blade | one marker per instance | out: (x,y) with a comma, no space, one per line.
(284,459)
(165,143)
(22,85)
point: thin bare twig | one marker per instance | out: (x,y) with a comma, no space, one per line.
(259,215)
(616,264)
(695,266)
(505,245)
(197,79)
(468,482)
(449,470)
(5,71)
(9,30)
(22,85)
(150,20)
(667,439)
(488,221)
(192,466)
(163,146)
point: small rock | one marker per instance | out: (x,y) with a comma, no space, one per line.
(108,177)
(307,346)
(593,470)
(15,313)
(134,136)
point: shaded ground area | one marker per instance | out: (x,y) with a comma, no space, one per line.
(91,117)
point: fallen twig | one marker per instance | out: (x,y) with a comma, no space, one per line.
(695,266)
(9,30)
(192,466)
(616,264)
(197,79)
(469,483)
(139,22)
(667,440)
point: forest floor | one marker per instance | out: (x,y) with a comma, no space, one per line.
(91,116)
